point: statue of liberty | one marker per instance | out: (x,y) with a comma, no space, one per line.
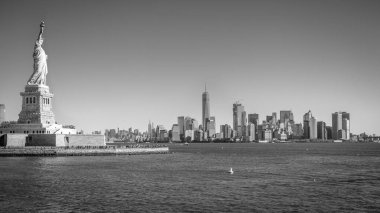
(40,69)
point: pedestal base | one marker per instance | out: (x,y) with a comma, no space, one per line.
(36,105)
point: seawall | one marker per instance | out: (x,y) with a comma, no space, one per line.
(82,151)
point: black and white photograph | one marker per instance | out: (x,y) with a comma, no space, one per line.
(189,106)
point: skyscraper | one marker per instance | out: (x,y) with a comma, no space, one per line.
(328,132)
(175,133)
(313,128)
(274,118)
(254,118)
(150,129)
(321,130)
(251,132)
(181,125)
(244,124)
(340,121)
(210,125)
(346,125)
(205,108)
(244,118)
(238,110)
(336,124)
(2,113)
(306,125)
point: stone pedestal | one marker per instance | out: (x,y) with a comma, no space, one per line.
(36,105)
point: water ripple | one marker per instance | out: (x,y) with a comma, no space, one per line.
(267,178)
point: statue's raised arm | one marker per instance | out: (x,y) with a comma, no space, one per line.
(40,61)
(42,25)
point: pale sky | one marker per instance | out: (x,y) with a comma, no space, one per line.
(122,63)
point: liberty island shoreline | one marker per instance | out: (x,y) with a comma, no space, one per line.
(114,149)
(45,151)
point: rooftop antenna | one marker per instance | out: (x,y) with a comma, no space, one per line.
(205,87)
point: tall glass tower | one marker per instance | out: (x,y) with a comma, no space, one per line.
(238,122)
(306,124)
(205,108)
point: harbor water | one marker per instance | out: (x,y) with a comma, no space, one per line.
(267,178)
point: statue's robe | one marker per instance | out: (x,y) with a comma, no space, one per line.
(40,65)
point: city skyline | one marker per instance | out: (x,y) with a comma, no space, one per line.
(154,68)
(241,120)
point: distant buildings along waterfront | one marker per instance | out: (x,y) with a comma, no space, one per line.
(247,127)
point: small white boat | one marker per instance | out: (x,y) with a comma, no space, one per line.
(231,171)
